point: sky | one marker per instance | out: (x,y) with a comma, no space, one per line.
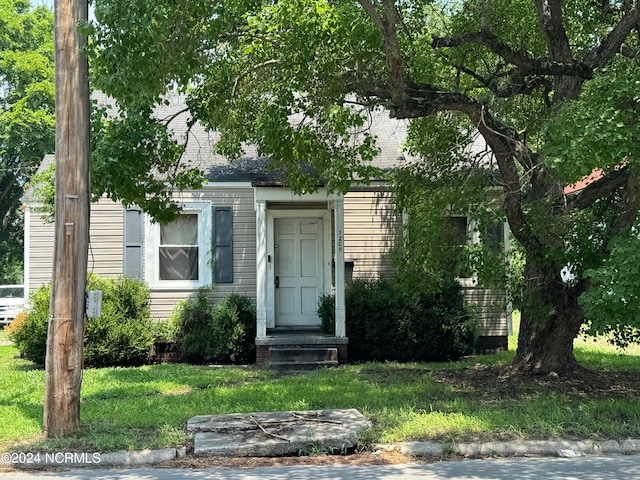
(49,3)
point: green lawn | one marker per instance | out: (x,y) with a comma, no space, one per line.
(147,407)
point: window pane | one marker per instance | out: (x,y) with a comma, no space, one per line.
(457,241)
(495,234)
(178,263)
(182,231)
(458,230)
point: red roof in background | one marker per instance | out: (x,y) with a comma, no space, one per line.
(597,174)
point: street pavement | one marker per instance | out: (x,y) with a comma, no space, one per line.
(611,467)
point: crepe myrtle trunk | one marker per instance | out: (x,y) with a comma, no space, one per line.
(550,321)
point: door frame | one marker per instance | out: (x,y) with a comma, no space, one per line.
(332,213)
(325,216)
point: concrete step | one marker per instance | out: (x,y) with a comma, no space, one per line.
(302,358)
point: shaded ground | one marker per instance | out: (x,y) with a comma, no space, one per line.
(486,382)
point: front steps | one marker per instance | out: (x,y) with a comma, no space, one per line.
(290,349)
(302,358)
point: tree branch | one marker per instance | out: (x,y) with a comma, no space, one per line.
(387,24)
(518,84)
(250,70)
(552,25)
(612,43)
(585,197)
(525,65)
(373,13)
(628,209)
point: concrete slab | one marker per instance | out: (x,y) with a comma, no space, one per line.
(270,434)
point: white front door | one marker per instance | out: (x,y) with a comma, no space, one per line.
(298,271)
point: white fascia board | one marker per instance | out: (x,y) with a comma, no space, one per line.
(211,185)
(284,194)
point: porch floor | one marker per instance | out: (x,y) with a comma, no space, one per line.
(299,336)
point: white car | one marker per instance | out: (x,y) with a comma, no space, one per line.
(11,302)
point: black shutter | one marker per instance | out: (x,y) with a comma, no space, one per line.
(222,245)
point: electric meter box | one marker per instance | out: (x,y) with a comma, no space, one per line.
(94,303)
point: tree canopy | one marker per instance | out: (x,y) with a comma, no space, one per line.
(551,86)
(27,124)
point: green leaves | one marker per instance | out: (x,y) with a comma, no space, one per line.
(137,160)
(27,125)
(266,74)
(612,304)
(600,129)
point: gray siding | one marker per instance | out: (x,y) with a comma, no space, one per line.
(106,247)
(492,314)
(370,229)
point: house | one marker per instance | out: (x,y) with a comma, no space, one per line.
(246,232)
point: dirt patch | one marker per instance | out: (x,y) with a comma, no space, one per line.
(360,458)
(497,382)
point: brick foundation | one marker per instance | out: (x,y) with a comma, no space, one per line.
(262,355)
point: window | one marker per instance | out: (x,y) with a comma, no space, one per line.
(178,253)
(133,239)
(223,245)
(458,228)
(495,237)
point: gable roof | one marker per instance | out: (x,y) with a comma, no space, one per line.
(251,167)
(200,143)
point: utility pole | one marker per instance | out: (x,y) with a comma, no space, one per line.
(63,365)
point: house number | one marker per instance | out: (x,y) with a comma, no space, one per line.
(340,240)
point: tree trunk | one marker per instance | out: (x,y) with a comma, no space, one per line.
(551,320)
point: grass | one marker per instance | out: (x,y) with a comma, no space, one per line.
(147,407)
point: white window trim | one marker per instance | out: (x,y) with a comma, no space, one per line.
(152,245)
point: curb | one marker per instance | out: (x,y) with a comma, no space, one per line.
(539,448)
(545,448)
(122,458)
(126,458)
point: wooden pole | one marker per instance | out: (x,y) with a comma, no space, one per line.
(63,365)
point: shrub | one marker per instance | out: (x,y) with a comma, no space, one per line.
(224,333)
(124,332)
(327,314)
(387,322)
(195,331)
(234,321)
(16,324)
(121,336)
(169,330)
(31,338)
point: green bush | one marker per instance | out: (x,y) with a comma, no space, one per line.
(31,337)
(384,321)
(121,336)
(124,333)
(221,333)
(195,316)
